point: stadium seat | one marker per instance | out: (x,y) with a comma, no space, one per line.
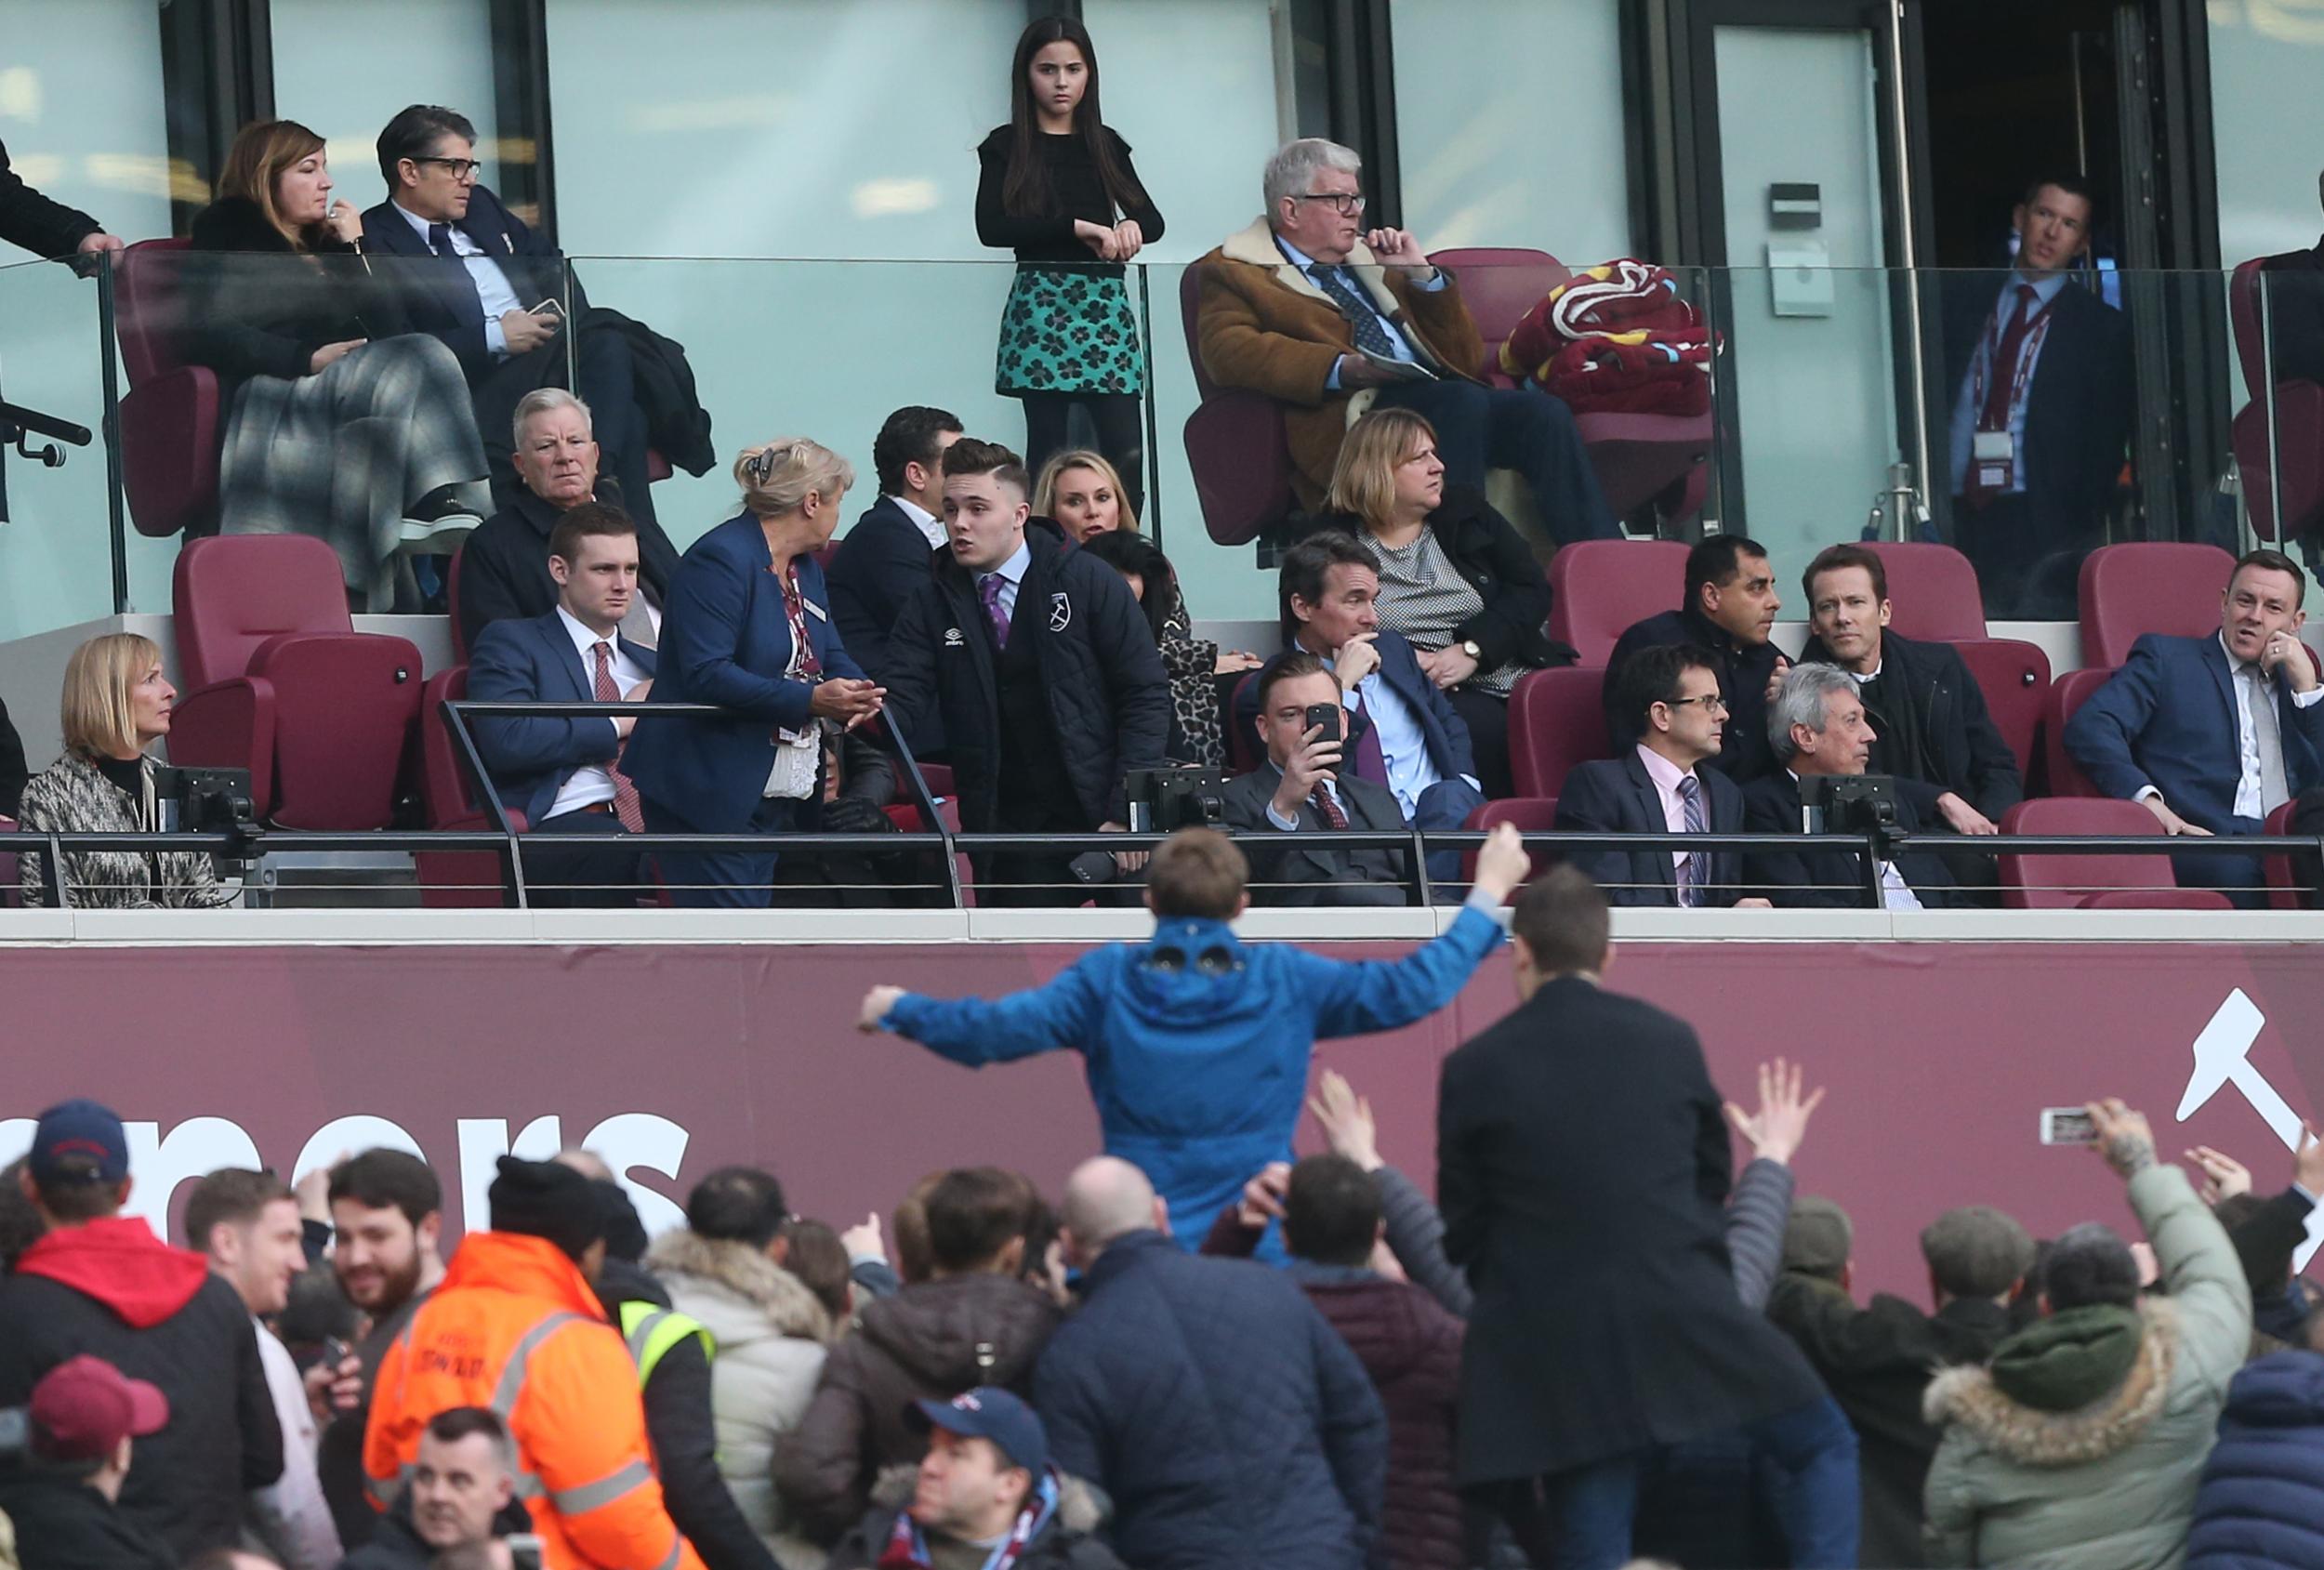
(2066,881)
(1598,588)
(2061,774)
(1933,591)
(449,879)
(1242,747)
(1236,444)
(11,895)
(2014,678)
(1556,719)
(170,416)
(2158,586)
(2293,466)
(1531,814)
(2283,888)
(1638,458)
(276,681)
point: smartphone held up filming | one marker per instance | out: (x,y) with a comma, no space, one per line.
(2067,1126)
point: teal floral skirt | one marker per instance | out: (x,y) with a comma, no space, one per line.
(1068,330)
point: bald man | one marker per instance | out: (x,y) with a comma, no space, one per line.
(1262,1444)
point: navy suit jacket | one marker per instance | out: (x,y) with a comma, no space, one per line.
(533,660)
(440,298)
(1617,795)
(726,640)
(879,566)
(1445,732)
(2167,719)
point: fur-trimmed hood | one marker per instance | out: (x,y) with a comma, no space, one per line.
(743,1273)
(2031,1437)
(1082,1508)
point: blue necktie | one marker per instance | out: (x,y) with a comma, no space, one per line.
(1370,337)
(439,240)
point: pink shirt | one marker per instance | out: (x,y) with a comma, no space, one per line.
(1666,776)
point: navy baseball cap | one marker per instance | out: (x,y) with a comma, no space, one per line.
(76,1131)
(986,1412)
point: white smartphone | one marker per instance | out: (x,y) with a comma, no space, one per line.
(2067,1126)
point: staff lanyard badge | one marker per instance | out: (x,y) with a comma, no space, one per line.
(1993,448)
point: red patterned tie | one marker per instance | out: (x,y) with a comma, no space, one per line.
(1321,800)
(625,806)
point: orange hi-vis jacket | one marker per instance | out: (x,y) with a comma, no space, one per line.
(515,1327)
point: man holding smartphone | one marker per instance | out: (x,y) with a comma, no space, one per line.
(1303,788)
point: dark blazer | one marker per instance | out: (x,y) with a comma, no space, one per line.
(1965,754)
(44,227)
(1606,1318)
(1496,563)
(254,307)
(1441,726)
(1743,672)
(13,774)
(1324,878)
(1816,874)
(535,661)
(726,640)
(880,565)
(2295,313)
(440,295)
(2078,408)
(504,566)
(2167,719)
(1617,795)
(1109,698)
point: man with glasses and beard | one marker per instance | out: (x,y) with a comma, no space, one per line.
(386,1218)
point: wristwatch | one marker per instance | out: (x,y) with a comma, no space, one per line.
(1468,647)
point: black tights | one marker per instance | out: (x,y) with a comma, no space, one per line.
(1121,434)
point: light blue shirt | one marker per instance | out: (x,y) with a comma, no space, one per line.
(1011,576)
(1396,340)
(493,289)
(1402,745)
(1964,410)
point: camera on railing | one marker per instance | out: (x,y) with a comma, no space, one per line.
(1160,801)
(1849,804)
(207,801)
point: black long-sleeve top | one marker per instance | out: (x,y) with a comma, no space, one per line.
(1078,194)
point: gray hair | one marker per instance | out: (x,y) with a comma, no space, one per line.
(540,400)
(1293,168)
(1800,701)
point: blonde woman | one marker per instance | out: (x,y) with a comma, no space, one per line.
(1455,578)
(747,626)
(1083,495)
(342,422)
(117,705)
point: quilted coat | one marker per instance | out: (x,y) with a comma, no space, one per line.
(2262,1501)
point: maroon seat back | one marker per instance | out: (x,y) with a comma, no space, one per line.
(1529,815)
(171,413)
(2282,482)
(452,602)
(445,794)
(2283,888)
(2061,774)
(1500,283)
(1931,591)
(149,308)
(1598,588)
(2014,678)
(2065,881)
(2156,586)
(232,594)
(1236,444)
(1556,719)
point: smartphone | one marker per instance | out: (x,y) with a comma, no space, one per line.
(524,1551)
(548,308)
(1326,716)
(2067,1126)
(335,1352)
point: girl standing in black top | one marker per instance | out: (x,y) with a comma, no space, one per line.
(1057,187)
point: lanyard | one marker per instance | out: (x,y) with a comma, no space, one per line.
(2021,377)
(805,666)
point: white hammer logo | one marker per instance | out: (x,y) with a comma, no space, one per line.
(2223,1056)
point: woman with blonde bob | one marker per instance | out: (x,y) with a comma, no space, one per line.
(1455,578)
(747,626)
(341,422)
(116,704)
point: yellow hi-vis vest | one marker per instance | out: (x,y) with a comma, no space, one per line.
(652,1330)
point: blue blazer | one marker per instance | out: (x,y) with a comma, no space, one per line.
(535,661)
(726,640)
(1446,732)
(1617,795)
(440,298)
(2167,719)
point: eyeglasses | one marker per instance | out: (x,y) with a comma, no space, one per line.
(458,168)
(1712,702)
(1347,206)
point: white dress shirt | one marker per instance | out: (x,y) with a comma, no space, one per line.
(493,289)
(1666,776)
(924,521)
(593,783)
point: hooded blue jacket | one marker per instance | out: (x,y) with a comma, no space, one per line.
(2260,1506)
(1197,1044)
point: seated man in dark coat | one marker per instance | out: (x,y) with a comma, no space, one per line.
(1817,727)
(1668,701)
(1930,730)
(502,570)
(1729,610)
(1259,1444)
(1876,1361)
(1304,786)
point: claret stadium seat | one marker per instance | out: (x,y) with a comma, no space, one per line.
(2064,881)
(1600,588)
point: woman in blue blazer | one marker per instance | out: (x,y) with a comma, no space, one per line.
(747,626)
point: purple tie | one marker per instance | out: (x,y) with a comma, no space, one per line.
(988,589)
(1371,763)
